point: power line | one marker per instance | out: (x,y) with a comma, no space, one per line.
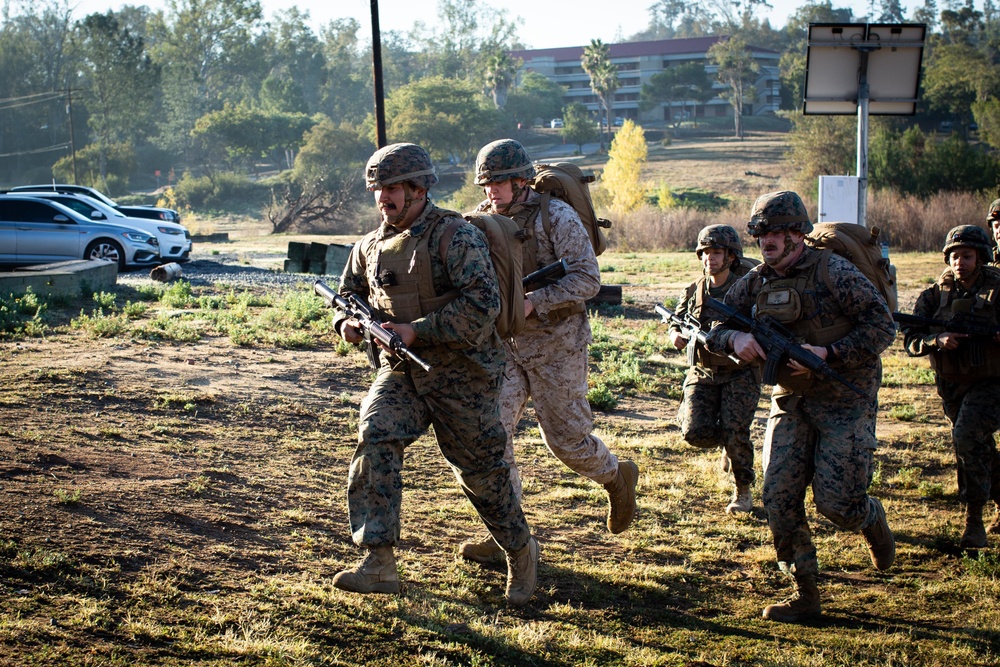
(57,147)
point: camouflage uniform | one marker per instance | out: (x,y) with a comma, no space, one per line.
(548,362)
(459,396)
(819,432)
(993,222)
(968,390)
(720,397)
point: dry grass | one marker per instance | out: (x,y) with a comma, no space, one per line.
(210,536)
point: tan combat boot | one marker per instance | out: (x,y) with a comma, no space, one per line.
(621,497)
(994,528)
(375,574)
(483,551)
(742,500)
(522,573)
(974,536)
(881,543)
(801,606)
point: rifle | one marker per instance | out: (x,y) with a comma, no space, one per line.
(961,323)
(779,343)
(545,276)
(691,328)
(356,307)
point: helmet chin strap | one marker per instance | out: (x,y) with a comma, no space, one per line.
(789,248)
(408,199)
(516,193)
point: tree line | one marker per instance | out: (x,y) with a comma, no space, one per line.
(210,87)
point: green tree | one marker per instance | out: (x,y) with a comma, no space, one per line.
(534,99)
(958,75)
(596,62)
(911,163)
(245,134)
(448,117)
(297,62)
(987,115)
(466,34)
(738,70)
(331,153)
(821,145)
(626,158)
(578,125)
(204,48)
(347,92)
(120,83)
(678,84)
(499,75)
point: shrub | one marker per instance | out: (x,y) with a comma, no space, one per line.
(213,191)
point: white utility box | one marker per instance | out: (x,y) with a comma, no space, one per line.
(838,199)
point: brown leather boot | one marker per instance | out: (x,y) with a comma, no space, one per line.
(881,543)
(621,497)
(742,500)
(375,574)
(974,536)
(725,465)
(522,573)
(483,551)
(801,606)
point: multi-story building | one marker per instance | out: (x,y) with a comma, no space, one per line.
(637,62)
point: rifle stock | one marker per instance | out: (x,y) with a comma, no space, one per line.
(356,307)
(545,276)
(779,343)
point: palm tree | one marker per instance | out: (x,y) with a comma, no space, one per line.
(596,62)
(500,72)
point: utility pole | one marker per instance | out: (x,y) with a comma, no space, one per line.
(380,135)
(72,140)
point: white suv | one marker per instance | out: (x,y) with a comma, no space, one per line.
(175,241)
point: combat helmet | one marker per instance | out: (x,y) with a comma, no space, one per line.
(775,211)
(502,160)
(994,213)
(720,236)
(399,163)
(969,236)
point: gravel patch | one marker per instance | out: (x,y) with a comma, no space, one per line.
(262,272)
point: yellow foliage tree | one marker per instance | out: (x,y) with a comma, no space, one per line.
(620,179)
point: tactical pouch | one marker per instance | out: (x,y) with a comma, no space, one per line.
(781,303)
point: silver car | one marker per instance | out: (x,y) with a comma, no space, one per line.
(175,240)
(35,231)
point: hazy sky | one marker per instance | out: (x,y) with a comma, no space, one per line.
(545,24)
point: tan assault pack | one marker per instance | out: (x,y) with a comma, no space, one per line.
(568,182)
(859,245)
(505,250)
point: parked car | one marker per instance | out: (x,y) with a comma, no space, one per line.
(152,212)
(175,240)
(556,122)
(36,231)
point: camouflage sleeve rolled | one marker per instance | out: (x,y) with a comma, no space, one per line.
(921,343)
(862,303)
(683,306)
(741,297)
(353,280)
(568,241)
(471,317)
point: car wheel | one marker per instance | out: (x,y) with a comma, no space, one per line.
(107,250)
